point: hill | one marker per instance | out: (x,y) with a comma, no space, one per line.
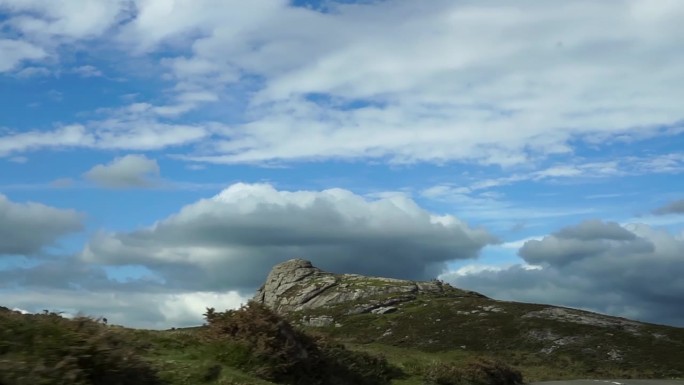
(308,326)
(434,319)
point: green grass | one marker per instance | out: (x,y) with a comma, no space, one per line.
(183,358)
(443,328)
(426,332)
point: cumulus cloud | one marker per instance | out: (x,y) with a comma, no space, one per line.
(217,251)
(631,270)
(676,207)
(27,228)
(126,171)
(233,239)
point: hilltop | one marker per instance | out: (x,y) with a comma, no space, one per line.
(392,315)
(297,285)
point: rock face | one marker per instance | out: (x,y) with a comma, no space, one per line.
(298,285)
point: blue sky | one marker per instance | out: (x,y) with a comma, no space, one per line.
(157,157)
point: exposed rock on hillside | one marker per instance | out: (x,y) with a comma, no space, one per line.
(298,285)
(585,318)
(434,316)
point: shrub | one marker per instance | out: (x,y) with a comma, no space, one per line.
(478,372)
(257,340)
(47,349)
(357,368)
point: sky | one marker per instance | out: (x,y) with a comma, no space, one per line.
(158,157)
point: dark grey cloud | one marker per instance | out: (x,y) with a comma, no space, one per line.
(586,240)
(68,272)
(594,230)
(676,207)
(26,228)
(125,172)
(233,239)
(640,278)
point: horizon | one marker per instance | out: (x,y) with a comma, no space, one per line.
(158,158)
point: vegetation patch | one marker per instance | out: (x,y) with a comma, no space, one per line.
(475,372)
(47,349)
(258,341)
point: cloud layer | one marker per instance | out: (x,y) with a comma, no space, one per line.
(632,270)
(233,239)
(395,80)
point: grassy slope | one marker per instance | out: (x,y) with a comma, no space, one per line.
(436,329)
(183,359)
(446,329)
(30,344)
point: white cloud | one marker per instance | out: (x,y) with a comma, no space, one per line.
(488,83)
(33,72)
(472,269)
(144,133)
(494,208)
(126,171)
(132,309)
(75,19)
(16,51)
(475,269)
(187,308)
(137,132)
(46,27)
(68,136)
(665,163)
(231,240)
(87,71)
(519,243)
(479,190)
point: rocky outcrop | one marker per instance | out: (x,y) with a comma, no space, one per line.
(585,318)
(438,317)
(298,285)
